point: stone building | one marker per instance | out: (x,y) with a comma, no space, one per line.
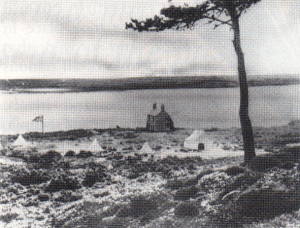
(159,120)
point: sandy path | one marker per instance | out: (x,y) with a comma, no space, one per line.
(213,153)
(10,161)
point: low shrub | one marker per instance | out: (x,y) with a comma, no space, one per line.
(267,203)
(234,170)
(186,210)
(103,194)
(7,218)
(175,184)
(118,156)
(204,173)
(26,178)
(191,182)
(70,153)
(178,184)
(64,165)
(241,182)
(84,154)
(214,182)
(186,193)
(43,197)
(62,183)
(291,155)
(263,163)
(67,196)
(46,160)
(51,156)
(138,207)
(93,177)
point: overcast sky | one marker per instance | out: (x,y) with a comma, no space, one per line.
(87,39)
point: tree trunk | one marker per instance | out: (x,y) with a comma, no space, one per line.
(247,131)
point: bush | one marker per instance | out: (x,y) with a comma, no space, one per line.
(267,203)
(43,197)
(186,193)
(186,210)
(30,177)
(70,153)
(94,176)
(289,155)
(235,170)
(45,160)
(63,183)
(50,156)
(84,154)
(138,207)
(241,182)
(214,182)
(175,184)
(204,173)
(263,163)
(7,218)
(66,197)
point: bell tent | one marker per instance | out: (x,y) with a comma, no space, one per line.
(146,149)
(169,151)
(21,142)
(95,147)
(198,140)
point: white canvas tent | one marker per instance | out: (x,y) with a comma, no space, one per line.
(146,149)
(21,142)
(95,147)
(170,152)
(196,138)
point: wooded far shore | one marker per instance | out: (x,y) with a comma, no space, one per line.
(78,85)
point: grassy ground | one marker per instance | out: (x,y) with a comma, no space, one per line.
(123,189)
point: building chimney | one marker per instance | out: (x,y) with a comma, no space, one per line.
(162,108)
(154,106)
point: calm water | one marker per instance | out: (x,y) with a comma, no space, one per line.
(189,108)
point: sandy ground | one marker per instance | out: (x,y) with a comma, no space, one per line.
(171,145)
(20,206)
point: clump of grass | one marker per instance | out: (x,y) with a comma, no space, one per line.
(186,210)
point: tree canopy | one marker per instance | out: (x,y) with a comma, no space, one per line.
(180,17)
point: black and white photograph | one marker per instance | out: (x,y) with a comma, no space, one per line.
(149,114)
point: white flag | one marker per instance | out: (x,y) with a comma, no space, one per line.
(38,119)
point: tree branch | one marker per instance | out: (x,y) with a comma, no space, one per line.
(185,17)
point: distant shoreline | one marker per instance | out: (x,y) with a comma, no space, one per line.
(91,85)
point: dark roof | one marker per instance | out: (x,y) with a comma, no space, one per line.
(164,116)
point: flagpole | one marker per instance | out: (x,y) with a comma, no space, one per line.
(43,124)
